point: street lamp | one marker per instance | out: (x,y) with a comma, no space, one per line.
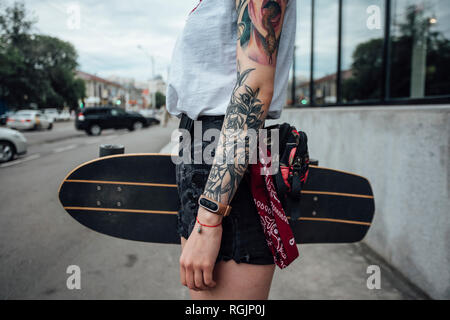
(150,57)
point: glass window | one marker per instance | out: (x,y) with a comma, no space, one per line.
(303,53)
(420,48)
(362,50)
(325,51)
(117,112)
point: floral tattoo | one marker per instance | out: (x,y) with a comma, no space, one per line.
(244,112)
(259,31)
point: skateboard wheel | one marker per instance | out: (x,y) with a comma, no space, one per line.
(314,162)
(111,149)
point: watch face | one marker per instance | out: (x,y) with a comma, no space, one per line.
(211,206)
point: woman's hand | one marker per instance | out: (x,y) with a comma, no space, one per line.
(200,252)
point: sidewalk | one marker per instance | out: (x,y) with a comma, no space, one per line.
(339,271)
(336,271)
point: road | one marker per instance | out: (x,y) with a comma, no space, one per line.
(39,241)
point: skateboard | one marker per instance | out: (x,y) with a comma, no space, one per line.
(134,197)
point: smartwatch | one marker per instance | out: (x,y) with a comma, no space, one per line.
(214,206)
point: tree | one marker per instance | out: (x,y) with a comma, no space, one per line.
(15,24)
(417,24)
(160,100)
(35,68)
(56,61)
(14,33)
(365,83)
(366,80)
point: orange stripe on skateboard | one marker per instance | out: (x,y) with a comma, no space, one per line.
(119,210)
(175,212)
(337,194)
(162,185)
(336,220)
(124,183)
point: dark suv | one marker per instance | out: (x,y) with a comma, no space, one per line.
(94,120)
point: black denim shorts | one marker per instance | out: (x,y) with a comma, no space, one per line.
(243,238)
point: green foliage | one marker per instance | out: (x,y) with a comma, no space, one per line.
(35,68)
(365,83)
(160,100)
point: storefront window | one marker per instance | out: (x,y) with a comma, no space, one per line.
(362,50)
(372,52)
(420,48)
(303,52)
(325,51)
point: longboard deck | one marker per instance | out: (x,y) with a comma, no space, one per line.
(134,197)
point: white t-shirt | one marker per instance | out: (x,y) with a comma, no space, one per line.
(203,69)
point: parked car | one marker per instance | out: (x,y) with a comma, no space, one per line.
(12,143)
(94,120)
(52,114)
(4,117)
(151,116)
(64,115)
(29,120)
(149,113)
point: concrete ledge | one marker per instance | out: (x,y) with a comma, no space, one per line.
(404,152)
(169,148)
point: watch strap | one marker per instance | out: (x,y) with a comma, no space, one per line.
(214,206)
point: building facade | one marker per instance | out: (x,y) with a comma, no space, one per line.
(372,91)
(135,92)
(100,92)
(397,52)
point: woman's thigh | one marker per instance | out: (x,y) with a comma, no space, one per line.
(237,281)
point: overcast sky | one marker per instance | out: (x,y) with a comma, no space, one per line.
(111,31)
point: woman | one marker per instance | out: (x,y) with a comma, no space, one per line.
(224,251)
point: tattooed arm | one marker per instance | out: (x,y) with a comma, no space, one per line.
(259,30)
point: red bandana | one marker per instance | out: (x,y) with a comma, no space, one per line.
(277,230)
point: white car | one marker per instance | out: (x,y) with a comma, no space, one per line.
(149,113)
(52,114)
(12,143)
(64,115)
(28,120)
